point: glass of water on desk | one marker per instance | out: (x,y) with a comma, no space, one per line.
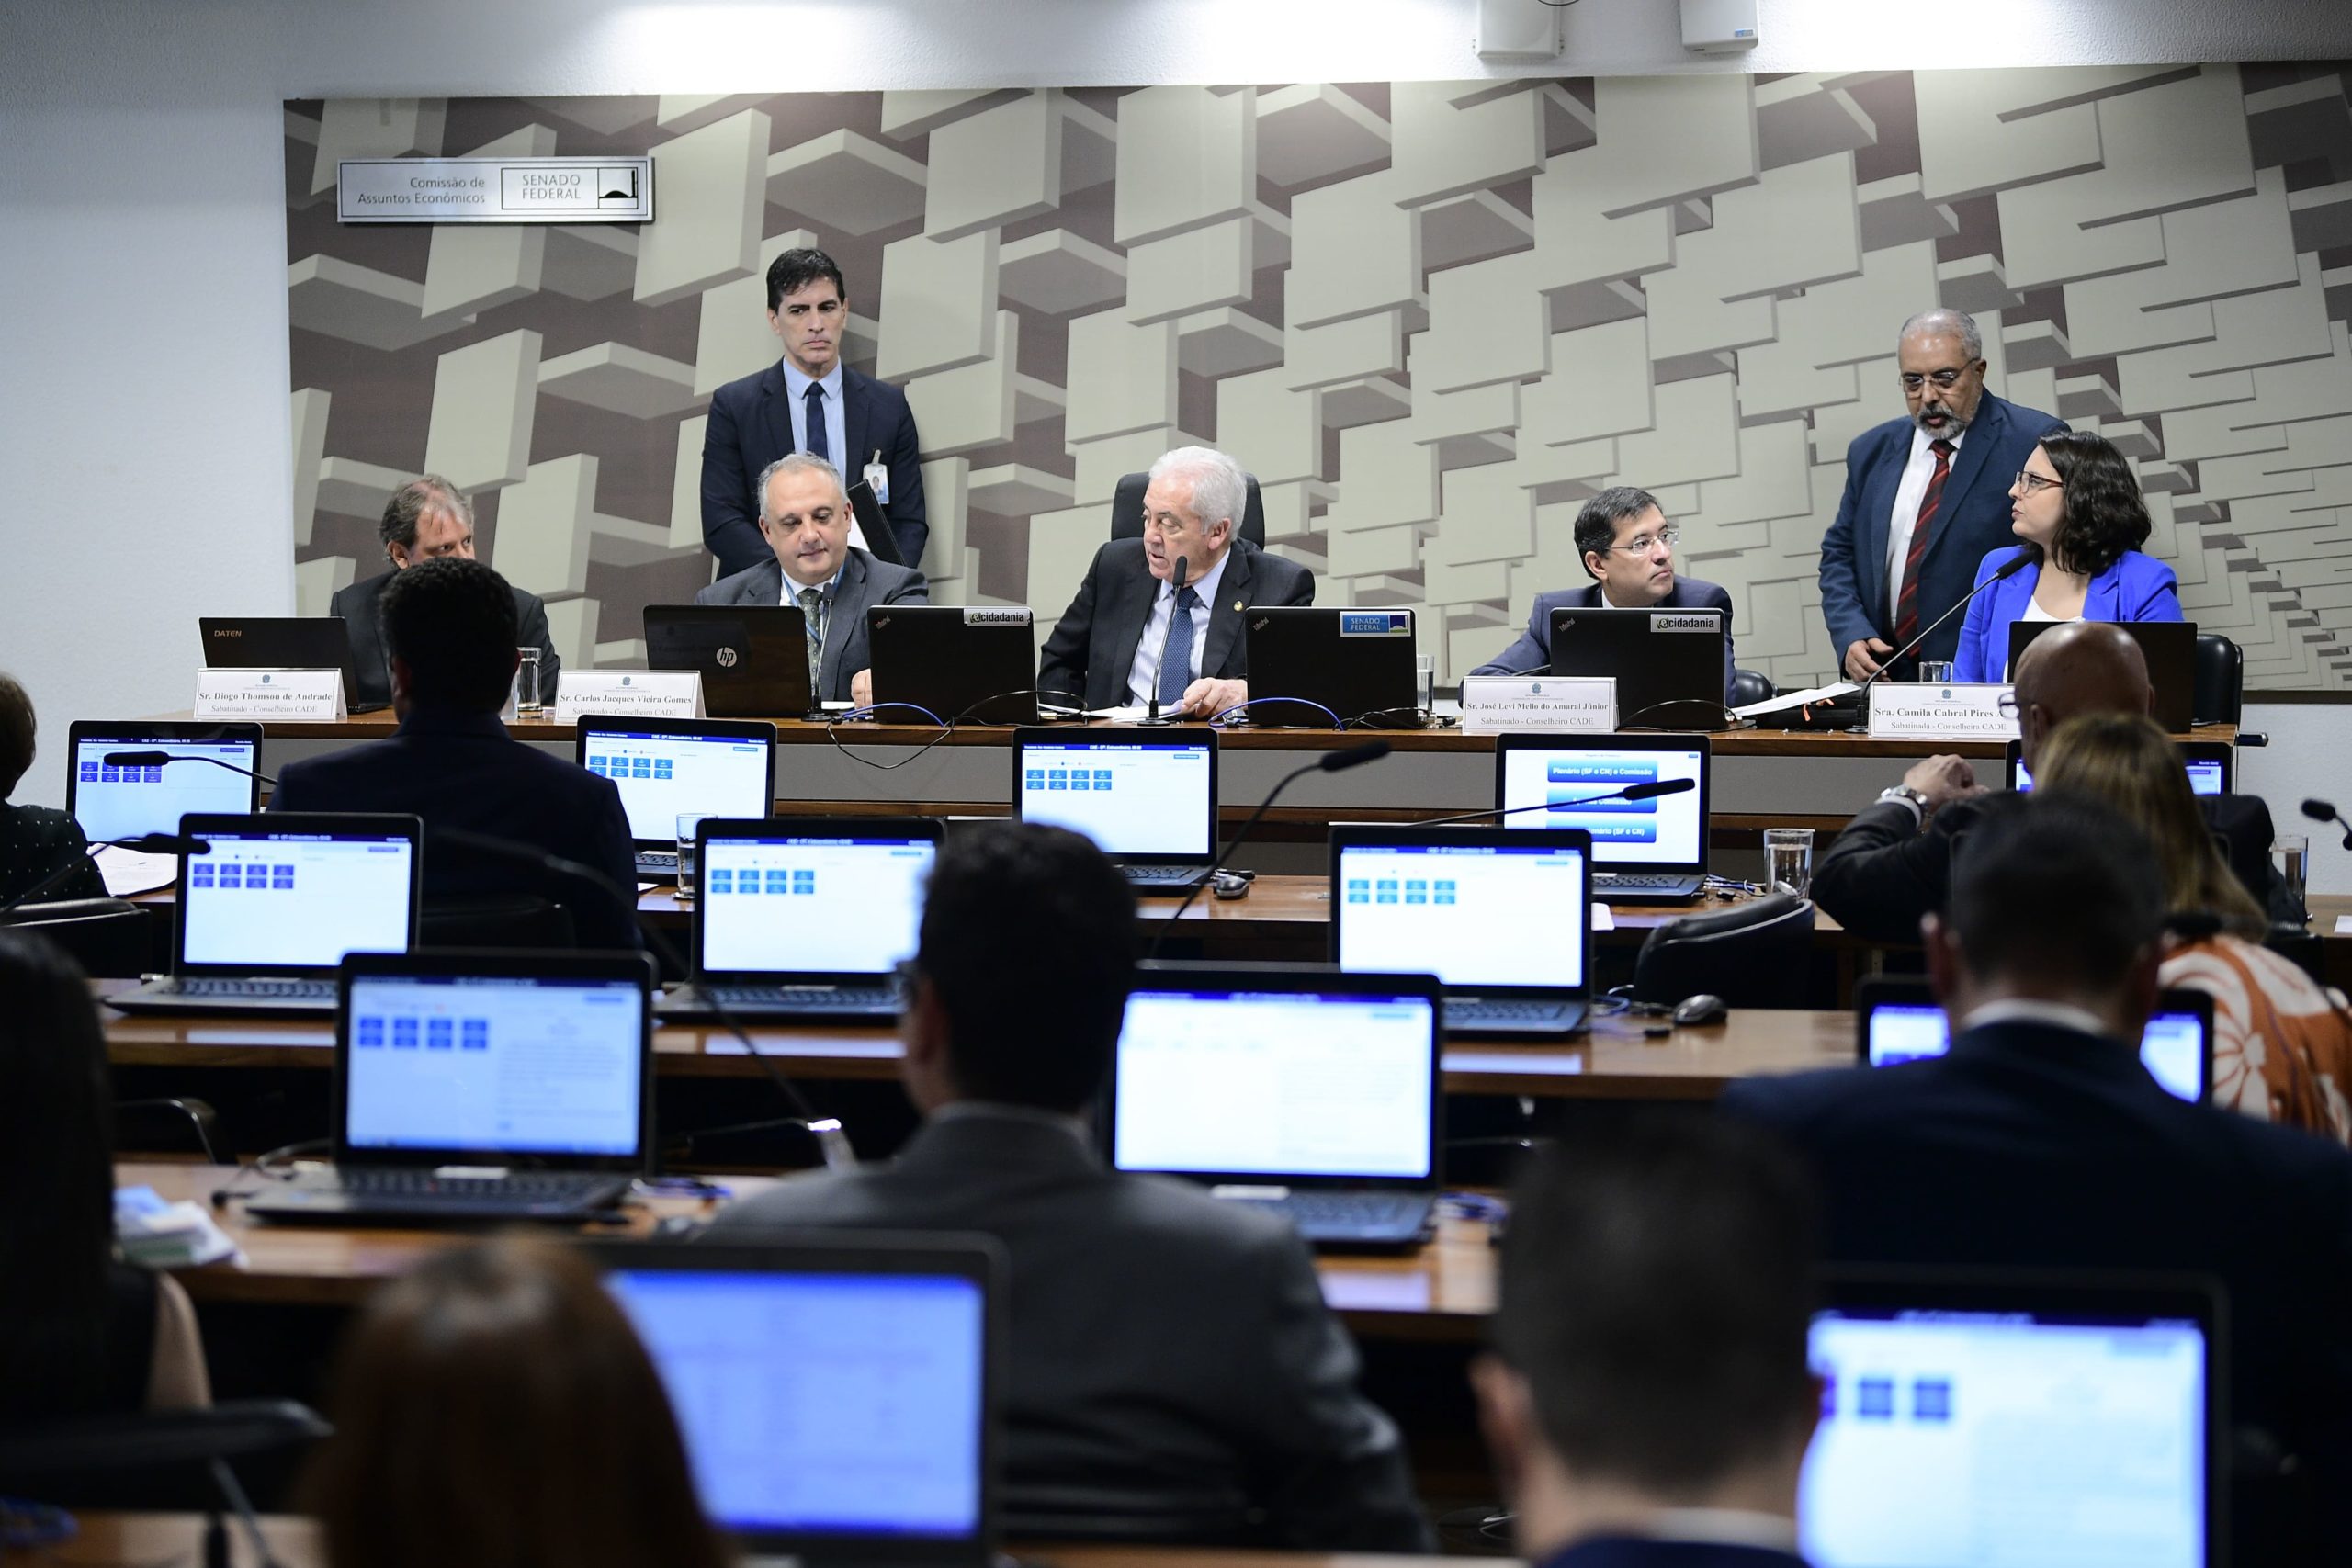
(1788,860)
(1935,671)
(688,822)
(529,701)
(2293,852)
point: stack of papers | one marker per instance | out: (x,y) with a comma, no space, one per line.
(156,1235)
(127,871)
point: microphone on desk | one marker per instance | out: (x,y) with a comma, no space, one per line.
(2325,811)
(1329,763)
(157,759)
(1648,789)
(2026,555)
(1176,591)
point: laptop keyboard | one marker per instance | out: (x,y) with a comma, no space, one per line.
(568,1189)
(1342,1214)
(1603,881)
(812,998)
(1458,1012)
(1163,873)
(657,860)
(225,987)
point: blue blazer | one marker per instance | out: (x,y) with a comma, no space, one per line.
(1972,519)
(2136,588)
(751,426)
(1533,652)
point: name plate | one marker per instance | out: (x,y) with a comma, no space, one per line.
(494,190)
(269,694)
(1494,704)
(1939,713)
(655,694)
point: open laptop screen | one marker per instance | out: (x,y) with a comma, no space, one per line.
(1471,914)
(506,1064)
(834,904)
(823,1404)
(2207,775)
(2173,1048)
(122,803)
(662,776)
(2014,1435)
(1290,1083)
(269,901)
(1665,830)
(1133,799)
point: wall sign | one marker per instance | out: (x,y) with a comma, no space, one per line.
(494,190)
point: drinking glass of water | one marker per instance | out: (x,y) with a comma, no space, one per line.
(1788,860)
(688,821)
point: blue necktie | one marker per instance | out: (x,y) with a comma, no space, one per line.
(818,444)
(1176,664)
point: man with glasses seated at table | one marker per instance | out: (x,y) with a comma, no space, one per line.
(1628,547)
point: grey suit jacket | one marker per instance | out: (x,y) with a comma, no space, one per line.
(865,582)
(1172,1355)
(1093,647)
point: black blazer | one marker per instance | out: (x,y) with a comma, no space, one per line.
(865,582)
(1532,654)
(371,670)
(2031,1147)
(751,426)
(462,770)
(35,841)
(1093,647)
(1171,1354)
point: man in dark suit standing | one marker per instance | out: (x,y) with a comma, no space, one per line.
(1628,547)
(1927,496)
(805,519)
(450,629)
(1123,639)
(2041,1141)
(426,519)
(1650,1401)
(1172,1360)
(808,401)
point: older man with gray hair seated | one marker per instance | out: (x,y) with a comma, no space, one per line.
(1133,634)
(805,518)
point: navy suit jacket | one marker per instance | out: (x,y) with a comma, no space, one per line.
(1532,654)
(1972,520)
(371,671)
(2032,1146)
(462,770)
(751,426)
(865,583)
(1093,647)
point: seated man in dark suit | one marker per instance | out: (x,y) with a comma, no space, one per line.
(1628,547)
(426,519)
(1650,1400)
(805,518)
(450,627)
(2041,1141)
(1172,1358)
(1121,640)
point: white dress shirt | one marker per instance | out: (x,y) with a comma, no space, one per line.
(796,387)
(1143,675)
(1908,497)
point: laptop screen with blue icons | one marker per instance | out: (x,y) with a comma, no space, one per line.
(663,774)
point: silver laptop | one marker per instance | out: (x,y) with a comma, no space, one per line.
(277,902)
(666,768)
(1643,851)
(1146,797)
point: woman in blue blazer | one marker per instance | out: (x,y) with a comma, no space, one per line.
(2077,503)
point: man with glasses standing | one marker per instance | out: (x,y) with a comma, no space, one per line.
(1628,547)
(1926,497)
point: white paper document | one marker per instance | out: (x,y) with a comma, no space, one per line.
(1787,700)
(127,871)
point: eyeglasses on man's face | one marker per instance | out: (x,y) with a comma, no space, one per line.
(1642,544)
(1943,380)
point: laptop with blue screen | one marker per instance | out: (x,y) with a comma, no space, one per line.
(666,768)
(1898,1020)
(838,1392)
(1146,797)
(2210,764)
(1645,851)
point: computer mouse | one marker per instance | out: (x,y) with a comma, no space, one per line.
(1691,1012)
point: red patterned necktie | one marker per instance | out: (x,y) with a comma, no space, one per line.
(1906,604)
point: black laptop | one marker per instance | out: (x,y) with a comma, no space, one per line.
(1898,1018)
(282,642)
(1643,851)
(953,664)
(2170,649)
(483,1086)
(1146,797)
(666,768)
(1669,664)
(754,658)
(1303,1090)
(1318,668)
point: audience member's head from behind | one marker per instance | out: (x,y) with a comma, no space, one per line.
(426,519)
(17,730)
(1650,1341)
(2056,898)
(2078,500)
(2082,666)
(1627,545)
(493,1408)
(450,629)
(2128,765)
(1020,976)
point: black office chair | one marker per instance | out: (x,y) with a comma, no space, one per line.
(1756,955)
(2299,945)
(173,1460)
(1751,686)
(502,921)
(2220,695)
(1126,511)
(194,1122)
(107,937)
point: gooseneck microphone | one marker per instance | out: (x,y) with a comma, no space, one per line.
(1329,763)
(1175,608)
(2027,554)
(2325,811)
(1648,789)
(158,759)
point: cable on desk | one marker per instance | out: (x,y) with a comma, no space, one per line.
(852,715)
(265,1165)
(1253,701)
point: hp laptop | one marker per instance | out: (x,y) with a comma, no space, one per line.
(112,800)
(839,1393)
(1503,919)
(1898,1020)
(2210,766)
(1313,668)
(1645,851)
(754,658)
(669,767)
(960,665)
(806,917)
(282,642)
(1313,1093)
(1146,797)
(2034,1420)
(276,903)
(2170,649)
(1669,664)
(484,1086)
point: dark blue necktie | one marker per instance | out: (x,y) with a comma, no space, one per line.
(1176,664)
(817,445)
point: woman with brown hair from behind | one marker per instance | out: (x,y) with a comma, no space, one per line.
(493,1408)
(2282,1046)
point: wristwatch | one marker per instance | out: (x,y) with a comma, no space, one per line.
(1917,799)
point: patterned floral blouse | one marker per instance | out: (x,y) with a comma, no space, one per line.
(2282,1046)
